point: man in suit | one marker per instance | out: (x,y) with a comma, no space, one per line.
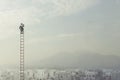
(21,28)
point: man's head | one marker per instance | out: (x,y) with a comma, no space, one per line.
(22,25)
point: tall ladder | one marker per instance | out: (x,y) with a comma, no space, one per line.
(22,56)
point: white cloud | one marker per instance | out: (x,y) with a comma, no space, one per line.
(58,37)
(62,7)
(33,12)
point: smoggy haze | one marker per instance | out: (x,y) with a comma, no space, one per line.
(58,26)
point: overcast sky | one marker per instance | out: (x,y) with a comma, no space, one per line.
(58,26)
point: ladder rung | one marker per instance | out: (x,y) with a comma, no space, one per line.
(21,61)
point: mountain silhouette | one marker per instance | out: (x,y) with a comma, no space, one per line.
(80,60)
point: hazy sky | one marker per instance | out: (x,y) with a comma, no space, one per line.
(55,26)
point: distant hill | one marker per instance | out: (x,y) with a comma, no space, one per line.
(80,60)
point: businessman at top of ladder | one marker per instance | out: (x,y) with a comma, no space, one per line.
(21,28)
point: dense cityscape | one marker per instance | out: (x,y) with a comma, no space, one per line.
(55,74)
